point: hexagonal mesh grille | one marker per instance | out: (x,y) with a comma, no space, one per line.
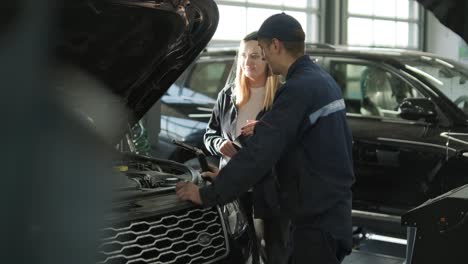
(186,236)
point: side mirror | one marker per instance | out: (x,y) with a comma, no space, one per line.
(418,108)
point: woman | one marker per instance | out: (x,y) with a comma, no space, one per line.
(231,123)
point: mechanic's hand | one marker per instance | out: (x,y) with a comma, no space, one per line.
(249,129)
(212,173)
(228,149)
(187,191)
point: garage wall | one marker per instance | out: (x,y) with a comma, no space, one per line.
(443,41)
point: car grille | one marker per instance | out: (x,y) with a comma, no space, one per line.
(192,235)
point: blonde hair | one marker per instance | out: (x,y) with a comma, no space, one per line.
(242,87)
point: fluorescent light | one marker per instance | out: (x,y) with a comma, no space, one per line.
(444,63)
(426,58)
(424,74)
(386,239)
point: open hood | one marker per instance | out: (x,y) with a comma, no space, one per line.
(115,59)
(451,13)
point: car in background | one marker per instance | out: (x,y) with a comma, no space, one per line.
(115,60)
(186,106)
(408,112)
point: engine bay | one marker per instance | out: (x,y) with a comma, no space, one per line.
(150,174)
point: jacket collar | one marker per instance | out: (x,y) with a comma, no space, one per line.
(299,63)
(230,92)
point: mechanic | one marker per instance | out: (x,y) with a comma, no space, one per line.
(306,139)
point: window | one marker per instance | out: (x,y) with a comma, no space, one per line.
(195,91)
(389,23)
(232,23)
(256,16)
(370,90)
(238,18)
(448,76)
(208,78)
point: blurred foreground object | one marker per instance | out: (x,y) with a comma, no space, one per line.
(53,167)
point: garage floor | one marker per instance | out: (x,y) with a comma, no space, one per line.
(377,252)
(361,257)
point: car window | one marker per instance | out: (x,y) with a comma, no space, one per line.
(448,76)
(209,77)
(370,90)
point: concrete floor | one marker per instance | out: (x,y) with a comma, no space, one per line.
(362,257)
(377,252)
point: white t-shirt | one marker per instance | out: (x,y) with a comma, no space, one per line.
(250,110)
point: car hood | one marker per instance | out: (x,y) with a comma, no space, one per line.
(115,59)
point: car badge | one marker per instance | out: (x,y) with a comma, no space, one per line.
(204,239)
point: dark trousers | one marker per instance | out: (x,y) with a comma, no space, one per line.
(312,245)
(246,203)
(276,233)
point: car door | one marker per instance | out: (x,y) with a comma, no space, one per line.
(391,157)
(186,107)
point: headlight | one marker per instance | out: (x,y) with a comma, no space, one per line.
(235,220)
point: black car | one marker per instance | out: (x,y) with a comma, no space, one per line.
(132,52)
(408,112)
(186,107)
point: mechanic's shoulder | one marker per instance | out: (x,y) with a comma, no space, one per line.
(297,86)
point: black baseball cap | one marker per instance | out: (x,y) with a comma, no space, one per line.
(283,27)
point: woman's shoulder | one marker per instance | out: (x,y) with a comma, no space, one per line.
(226,91)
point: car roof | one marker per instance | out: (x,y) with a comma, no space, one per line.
(224,49)
(393,55)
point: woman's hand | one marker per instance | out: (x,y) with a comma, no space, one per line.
(212,173)
(228,149)
(249,129)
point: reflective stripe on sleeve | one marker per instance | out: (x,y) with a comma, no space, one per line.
(330,108)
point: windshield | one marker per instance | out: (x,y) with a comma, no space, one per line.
(449,77)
